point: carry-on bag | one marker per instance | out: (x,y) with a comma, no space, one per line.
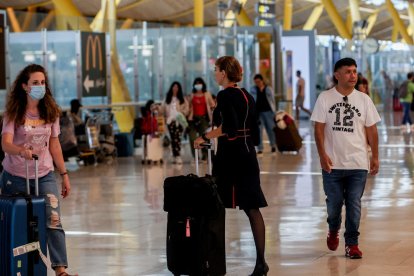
(153,150)
(286,134)
(23,232)
(196,224)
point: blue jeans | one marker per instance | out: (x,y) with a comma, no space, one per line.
(267,120)
(344,186)
(10,184)
(406,113)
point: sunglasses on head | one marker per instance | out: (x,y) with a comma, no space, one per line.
(347,107)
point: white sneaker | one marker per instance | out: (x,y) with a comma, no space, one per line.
(178,160)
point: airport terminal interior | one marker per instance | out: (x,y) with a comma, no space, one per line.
(110,58)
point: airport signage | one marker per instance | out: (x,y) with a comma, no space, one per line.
(93,53)
(266,10)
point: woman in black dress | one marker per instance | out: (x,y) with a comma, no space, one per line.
(235,165)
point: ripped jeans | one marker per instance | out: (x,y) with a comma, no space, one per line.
(10,184)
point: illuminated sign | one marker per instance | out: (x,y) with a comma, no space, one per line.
(266,10)
(93,64)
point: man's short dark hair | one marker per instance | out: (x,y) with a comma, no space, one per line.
(344,62)
(298,73)
(258,76)
(410,75)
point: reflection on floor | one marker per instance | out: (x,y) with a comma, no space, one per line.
(115,224)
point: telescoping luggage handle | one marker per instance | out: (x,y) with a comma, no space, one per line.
(33,246)
(36,160)
(209,149)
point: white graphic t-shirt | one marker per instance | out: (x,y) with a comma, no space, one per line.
(346,119)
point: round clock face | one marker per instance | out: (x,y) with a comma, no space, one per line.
(370,46)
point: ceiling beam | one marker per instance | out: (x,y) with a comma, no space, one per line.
(411,15)
(287,15)
(336,19)
(186,12)
(13,20)
(67,12)
(46,21)
(23,7)
(198,13)
(354,9)
(372,19)
(398,23)
(314,17)
(28,18)
(130,6)
(127,24)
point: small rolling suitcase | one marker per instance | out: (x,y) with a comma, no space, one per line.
(23,232)
(153,149)
(288,139)
(196,225)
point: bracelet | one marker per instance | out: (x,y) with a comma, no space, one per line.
(205,137)
(62,174)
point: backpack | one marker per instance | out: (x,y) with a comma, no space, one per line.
(403,90)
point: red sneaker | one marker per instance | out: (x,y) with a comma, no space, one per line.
(332,240)
(353,252)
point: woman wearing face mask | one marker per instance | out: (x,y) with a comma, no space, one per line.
(31,126)
(201,106)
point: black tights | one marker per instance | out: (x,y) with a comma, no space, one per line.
(258,229)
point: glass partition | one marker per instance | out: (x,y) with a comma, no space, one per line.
(61,65)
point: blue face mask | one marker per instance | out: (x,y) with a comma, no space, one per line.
(37,92)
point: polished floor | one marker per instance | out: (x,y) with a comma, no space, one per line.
(115,224)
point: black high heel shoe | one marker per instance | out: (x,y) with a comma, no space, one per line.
(260,270)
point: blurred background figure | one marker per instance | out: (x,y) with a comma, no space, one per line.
(300,95)
(201,107)
(175,110)
(362,84)
(75,113)
(266,108)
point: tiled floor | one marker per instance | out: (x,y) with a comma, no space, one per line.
(115,224)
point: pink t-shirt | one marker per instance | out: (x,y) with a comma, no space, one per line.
(35,135)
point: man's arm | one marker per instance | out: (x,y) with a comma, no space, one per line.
(372,135)
(326,162)
(302,87)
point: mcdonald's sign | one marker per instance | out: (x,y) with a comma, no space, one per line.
(2,51)
(93,64)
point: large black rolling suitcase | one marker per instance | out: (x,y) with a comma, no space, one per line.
(196,225)
(23,232)
(288,139)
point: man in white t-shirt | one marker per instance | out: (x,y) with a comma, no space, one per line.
(345,120)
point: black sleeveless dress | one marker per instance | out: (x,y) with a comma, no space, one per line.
(235,165)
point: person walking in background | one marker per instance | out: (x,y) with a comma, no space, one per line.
(235,165)
(266,109)
(344,120)
(406,97)
(31,126)
(201,106)
(362,84)
(175,110)
(300,95)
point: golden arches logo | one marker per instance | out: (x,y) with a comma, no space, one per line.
(93,43)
